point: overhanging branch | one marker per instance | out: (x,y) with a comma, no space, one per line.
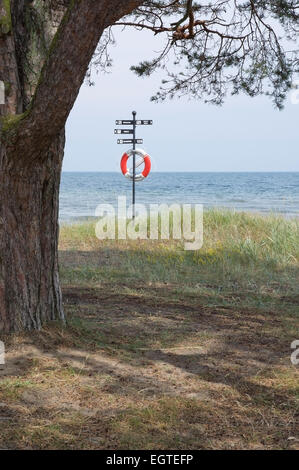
(63,73)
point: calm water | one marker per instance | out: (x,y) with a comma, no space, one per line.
(81,193)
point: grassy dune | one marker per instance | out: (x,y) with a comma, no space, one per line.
(244,256)
(164,348)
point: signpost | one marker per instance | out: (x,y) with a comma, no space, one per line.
(134,141)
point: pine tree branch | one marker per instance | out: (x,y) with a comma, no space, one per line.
(64,71)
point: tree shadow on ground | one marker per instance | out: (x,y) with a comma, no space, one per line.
(145,365)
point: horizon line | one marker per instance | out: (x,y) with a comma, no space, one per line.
(180,171)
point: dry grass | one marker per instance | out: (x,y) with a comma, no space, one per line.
(163,348)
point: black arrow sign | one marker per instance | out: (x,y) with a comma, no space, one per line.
(123,131)
(144,122)
(130,141)
(126,122)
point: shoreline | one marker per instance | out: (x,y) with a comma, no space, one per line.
(72,220)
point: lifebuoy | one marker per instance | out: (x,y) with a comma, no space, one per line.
(145,158)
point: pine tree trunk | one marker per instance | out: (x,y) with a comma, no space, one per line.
(29,280)
(45,49)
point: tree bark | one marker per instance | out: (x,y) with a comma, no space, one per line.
(29,280)
(32,144)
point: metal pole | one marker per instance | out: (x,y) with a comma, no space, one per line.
(134,160)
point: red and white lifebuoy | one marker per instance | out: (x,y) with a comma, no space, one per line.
(144,158)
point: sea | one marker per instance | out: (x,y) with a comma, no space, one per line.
(264,193)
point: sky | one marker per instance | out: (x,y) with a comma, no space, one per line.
(245,134)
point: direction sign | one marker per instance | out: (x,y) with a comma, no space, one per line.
(130,141)
(123,131)
(143,122)
(125,122)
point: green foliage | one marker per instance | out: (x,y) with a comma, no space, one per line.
(222,47)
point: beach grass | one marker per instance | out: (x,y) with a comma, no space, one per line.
(240,249)
(164,348)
